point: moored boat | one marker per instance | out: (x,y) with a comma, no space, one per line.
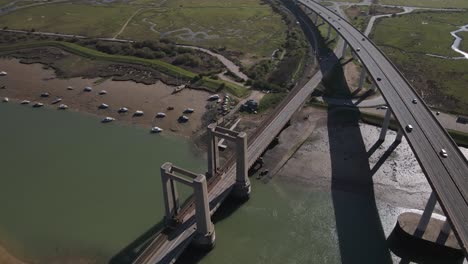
(63,107)
(160,115)
(188,110)
(108,119)
(138,113)
(156,129)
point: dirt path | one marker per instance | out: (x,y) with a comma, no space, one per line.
(126,23)
(7,258)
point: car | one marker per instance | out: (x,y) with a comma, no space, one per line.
(415,101)
(382,107)
(437,113)
(443,153)
(409,128)
(358,49)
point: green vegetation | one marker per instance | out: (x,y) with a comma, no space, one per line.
(407,39)
(71,18)
(326,3)
(359,16)
(246,26)
(270,100)
(464,43)
(427,3)
(161,66)
(349,1)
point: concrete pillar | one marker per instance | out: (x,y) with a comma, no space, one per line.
(343,52)
(171,197)
(426,216)
(385,124)
(316,19)
(329,31)
(205,234)
(242,186)
(373,87)
(213,152)
(399,136)
(362,78)
(444,233)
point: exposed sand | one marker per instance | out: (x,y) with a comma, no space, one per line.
(6,258)
(27,82)
(337,151)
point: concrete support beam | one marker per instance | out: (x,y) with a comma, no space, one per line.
(316,20)
(426,216)
(343,52)
(242,186)
(444,233)
(205,234)
(386,122)
(329,31)
(213,152)
(362,78)
(399,136)
(171,197)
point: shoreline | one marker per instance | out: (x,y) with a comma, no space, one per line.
(150,99)
(7,258)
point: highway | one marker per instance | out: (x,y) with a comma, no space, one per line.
(448,176)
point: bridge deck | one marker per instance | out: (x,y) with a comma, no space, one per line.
(448,177)
(165,248)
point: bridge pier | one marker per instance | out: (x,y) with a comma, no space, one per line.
(205,233)
(213,152)
(343,52)
(362,78)
(386,122)
(399,136)
(242,187)
(426,216)
(329,31)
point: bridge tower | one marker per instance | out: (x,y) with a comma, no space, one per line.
(242,186)
(205,233)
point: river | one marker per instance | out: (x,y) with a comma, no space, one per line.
(73,189)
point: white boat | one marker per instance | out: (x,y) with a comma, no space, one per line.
(58,100)
(213,97)
(103,106)
(188,110)
(108,119)
(218,101)
(37,105)
(160,115)
(69,88)
(138,113)
(6,100)
(179,88)
(123,110)
(156,129)
(87,89)
(44,94)
(183,118)
(25,102)
(102,92)
(63,107)
(3,73)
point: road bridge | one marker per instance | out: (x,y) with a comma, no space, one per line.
(447,174)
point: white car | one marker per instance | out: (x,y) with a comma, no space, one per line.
(443,153)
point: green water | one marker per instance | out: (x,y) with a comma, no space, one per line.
(71,187)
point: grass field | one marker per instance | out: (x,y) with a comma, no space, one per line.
(71,18)
(406,40)
(464,43)
(427,32)
(428,3)
(247,26)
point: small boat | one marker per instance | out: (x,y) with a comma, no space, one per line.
(63,107)
(58,100)
(3,73)
(102,92)
(170,108)
(25,102)
(183,118)
(37,105)
(156,129)
(6,100)
(214,97)
(160,115)
(103,106)
(69,88)
(138,113)
(123,110)
(179,88)
(44,94)
(188,110)
(108,119)
(87,89)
